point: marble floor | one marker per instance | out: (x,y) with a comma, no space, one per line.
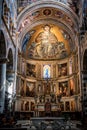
(49,124)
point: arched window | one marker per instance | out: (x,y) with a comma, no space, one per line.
(46,71)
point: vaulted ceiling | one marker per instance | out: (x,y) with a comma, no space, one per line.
(63,23)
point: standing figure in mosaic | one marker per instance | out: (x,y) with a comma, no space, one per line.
(45,41)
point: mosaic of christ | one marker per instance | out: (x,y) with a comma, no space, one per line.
(46,45)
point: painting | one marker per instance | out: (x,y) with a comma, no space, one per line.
(47,12)
(30,89)
(63,88)
(62,69)
(31,70)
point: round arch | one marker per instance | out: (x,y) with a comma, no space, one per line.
(48,3)
(9,81)
(2,45)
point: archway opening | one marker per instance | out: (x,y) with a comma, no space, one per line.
(9,82)
(2,53)
(2,45)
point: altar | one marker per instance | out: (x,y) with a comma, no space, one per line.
(46,109)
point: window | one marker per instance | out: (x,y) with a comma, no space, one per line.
(46,71)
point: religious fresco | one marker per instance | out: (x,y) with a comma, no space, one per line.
(62,69)
(72,105)
(26,39)
(30,89)
(31,70)
(47,12)
(47,46)
(63,88)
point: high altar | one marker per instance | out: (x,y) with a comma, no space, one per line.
(47,78)
(47,104)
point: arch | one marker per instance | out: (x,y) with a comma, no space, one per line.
(30,9)
(9,80)
(9,72)
(2,45)
(48,3)
(85,61)
(33,7)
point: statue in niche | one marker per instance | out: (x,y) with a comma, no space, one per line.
(54,87)
(53,98)
(32,106)
(22,106)
(63,88)
(36,98)
(27,106)
(72,105)
(47,88)
(39,88)
(72,87)
(59,96)
(27,91)
(41,98)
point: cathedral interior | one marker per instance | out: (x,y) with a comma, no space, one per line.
(43,58)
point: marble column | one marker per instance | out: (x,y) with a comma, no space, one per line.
(3,87)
